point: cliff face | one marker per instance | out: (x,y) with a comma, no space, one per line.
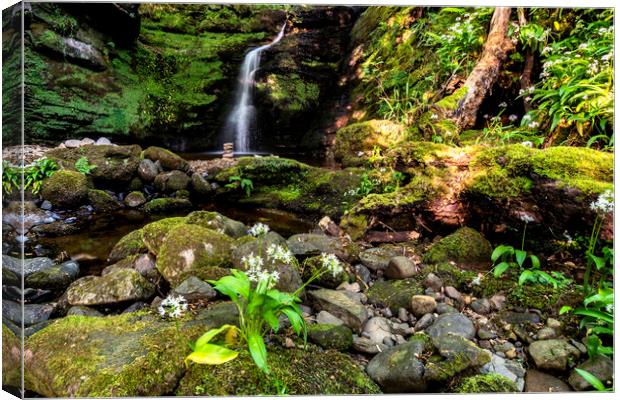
(164,74)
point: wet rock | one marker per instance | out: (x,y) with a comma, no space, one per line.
(193,250)
(377,329)
(424,322)
(481,306)
(171,181)
(378,258)
(465,247)
(200,185)
(600,366)
(32,217)
(84,311)
(46,205)
(134,199)
(433,282)
(452,323)
(166,158)
(339,304)
(163,205)
(66,189)
(118,286)
(30,295)
(338,337)
(540,382)
(311,244)
(394,294)
(32,313)
(221,223)
(128,245)
(400,267)
(398,370)
(102,201)
(12,268)
(421,305)
(554,354)
(54,277)
(147,170)
(194,289)
(460,354)
(323,317)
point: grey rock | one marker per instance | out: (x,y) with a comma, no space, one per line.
(546,333)
(400,267)
(481,306)
(454,294)
(145,265)
(137,306)
(87,142)
(460,353)
(398,370)
(403,315)
(54,277)
(510,369)
(497,301)
(443,308)
(365,345)
(378,258)
(353,314)
(453,323)
(324,317)
(433,282)
(120,285)
(377,329)
(421,305)
(194,289)
(514,318)
(12,267)
(200,185)
(312,244)
(349,287)
(72,143)
(32,313)
(46,205)
(171,181)
(362,272)
(424,322)
(84,311)
(540,382)
(600,366)
(554,354)
(147,170)
(134,199)
(486,334)
(103,141)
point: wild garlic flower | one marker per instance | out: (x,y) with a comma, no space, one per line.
(172,306)
(527,143)
(259,275)
(527,218)
(252,261)
(259,229)
(513,118)
(331,263)
(279,253)
(604,204)
(503,104)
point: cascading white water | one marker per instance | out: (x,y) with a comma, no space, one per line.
(242,120)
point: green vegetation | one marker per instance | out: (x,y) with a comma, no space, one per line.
(82,166)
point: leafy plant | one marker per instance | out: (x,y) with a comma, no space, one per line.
(592,380)
(83,167)
(205,352)
(11,177)
(245,184)
(366,185)
(603,206)
(33,175)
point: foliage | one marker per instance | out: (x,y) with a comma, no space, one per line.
(204,352)
(244,184)
(11,176)
(33,175)
(592,380)
(82,166)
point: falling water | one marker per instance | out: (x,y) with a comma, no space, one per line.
(242,119)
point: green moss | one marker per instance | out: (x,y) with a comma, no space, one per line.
(162,205)
(424,340)
(486,383)
(302,372)
(289,92)
(465,246)
(338,337)
(394,294)
(450,274)
(102,201)
(11,351)
(365,137)
(498,184)
(128,245)
(153,234)
(354,225)
(65,189)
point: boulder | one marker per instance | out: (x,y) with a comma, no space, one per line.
(134,199)
(466,247)
(200,184)
(193,250)
(400,267)
(398,369)
(164,205)
(540,382)
(130,244)
(153,234)
(12,268)
(312,244)
(421,305)
(29,314)
(460,354)
(452,323)
(338,337)
(166,158)
(117,286)
(68,189)
(54,277)
(554,354)
(194,289)
(352,313)
(600,366)
(394,294)
(102,201)
(217,222)
(11,358)
(147,170)
(378,258)
(171,181)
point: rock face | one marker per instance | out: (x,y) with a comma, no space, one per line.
(553,354)
(118,286)
(193,250)
(398,370)
(339,304)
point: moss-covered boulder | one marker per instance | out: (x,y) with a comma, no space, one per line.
(134,199)
(398,369)
(130,244)
(328,336)
(11,358)
(301,372)
(460,355)
(171,181)
(114,164)
(153,234)
(217,222)
(193,250)
(163,205)
(102,201)
(486,383)
(356,142)
(118,286)
(166,158)
(65,189)
(394,294)
(466,247)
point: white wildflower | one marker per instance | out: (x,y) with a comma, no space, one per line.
(531,89)
(604,204)
(503,104)
(458,18)
(279,253)
(546,50)
(513,117)
(172,306)
(602,30)
(360,153)
(583,46)
(434,116)
(331,263)
(521,91)
(527,218)
(259,229)
(527,143)
(533,125)
(476,280)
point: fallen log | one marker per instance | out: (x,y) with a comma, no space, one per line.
(391,237)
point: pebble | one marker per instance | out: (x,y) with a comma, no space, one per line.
(481,306)
(546,333)
(443,308)
(387,312)
(46,205)
(349,287)
(362,272)
(497,301)
(70,220)
(403,315)
(103,141)
(424,322)
(452,293)
(400,267)
(433,282)
(554,324)
(325,317)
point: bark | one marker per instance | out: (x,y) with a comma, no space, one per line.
(528,67)
(485,73)
(391,237)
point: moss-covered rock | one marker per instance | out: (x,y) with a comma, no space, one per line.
(166,158)
(394,294)
(11,356)
(313,265)
(328,336)
(134,199)
(130,244)
(119,285)
(301,372)
(486,383)
(193,250)
(460,355)
(465,247)
(171,181)
(153,234)
(65,189)
(166,204)
(450,274)
(102,201)
(355,142)
(217,222)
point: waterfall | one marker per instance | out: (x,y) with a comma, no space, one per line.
(241,121)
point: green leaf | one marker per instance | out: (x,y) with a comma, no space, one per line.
(565,309)
(591,379)
(210,334)
(500,250)
(294,315)
(520,255)
(595,314)
(272,320)
(535,261)
(500,269)
(212,354)
(258,351)
(525,276)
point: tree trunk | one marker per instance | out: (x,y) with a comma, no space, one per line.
(485,73)
(526,75)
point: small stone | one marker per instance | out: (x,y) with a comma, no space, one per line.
(546,333)
(86,142)
(540,382)
(512,353)
(454,323)
(497,301)
(364,345)
(554,324)
(388,342)
(46,205)
(349,287)
(362,272)
(481,306)
(103,141)
(85,311)
(485,344)
(486,334)
(72,143)
(134,199)
(433,282)
(421,305)
(324,317)
(400,267)
(403,315)
(443,308)
(424,322)
(387,312)
(377,329)
(452,293)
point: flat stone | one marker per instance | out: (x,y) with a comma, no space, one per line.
(481,306)
(452,293)
(421,305)
(365,345)
(546,333)
(377,329)
(400,267)
(553,354)
(117,286)
(378,258)
(433,282)
(323,317)
(194,289)
(353,314)
(12,265)
(540,382)
(311,244)
(452,323)
(514,318)
(424,322)
(32,313)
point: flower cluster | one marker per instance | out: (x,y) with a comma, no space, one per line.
(279,253)
(255,272)
(172,306)
(331,263)
(252,261)
(604,204)
(259,229)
